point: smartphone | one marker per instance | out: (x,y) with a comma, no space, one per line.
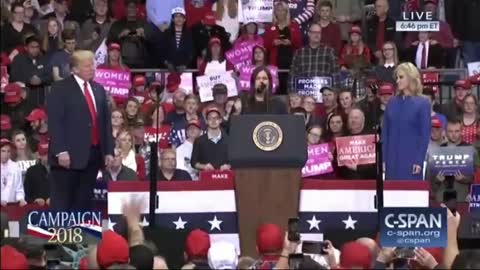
(313,247)
(293,234)
(405,252)
(450,200)
(295,260)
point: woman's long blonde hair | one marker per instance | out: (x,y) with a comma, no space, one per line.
(285,6)
(411,71)
(232,7)
(46,35)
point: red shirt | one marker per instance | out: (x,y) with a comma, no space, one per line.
(273,33)
(331,37)
(469,133)
(196,10)
(163,136)
(380,34)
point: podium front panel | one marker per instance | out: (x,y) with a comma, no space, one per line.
(267,141)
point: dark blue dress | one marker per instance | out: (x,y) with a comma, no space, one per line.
(405,136)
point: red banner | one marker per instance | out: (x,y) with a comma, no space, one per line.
(216,175)
(357,149)
(3,78)
(431,78)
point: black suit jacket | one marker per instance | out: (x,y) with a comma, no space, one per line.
(435,55)
(371,32)
(69,122)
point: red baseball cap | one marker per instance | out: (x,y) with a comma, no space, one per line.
(197,244)
(5,122)
(16,260)
(436,123)
(213,109)
(354,254)
(269,238)
(13,93)
(173,82)
(435,2)
(43,148)
(114,46)
(112,249)
(209,18)
(36,114)
(355,29)
(465,84)
(5,141)
(194,123)
(386,89)
(139,80)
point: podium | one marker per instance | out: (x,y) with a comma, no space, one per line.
(267,156)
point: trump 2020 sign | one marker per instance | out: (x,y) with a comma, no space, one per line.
(413,227)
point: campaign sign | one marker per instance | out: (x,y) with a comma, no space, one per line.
(256,10)
(450,160)
(116,82)
(474,71)
(318,162)
(416,21)
(216,175)
(431,79)
(413,227)
(357,149)
(474,204)
(64,227)
(3,78)
(241,54)
(311,86)
(206,83)
(163,135)
(101,188)
(246,74)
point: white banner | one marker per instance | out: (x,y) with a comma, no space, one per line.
(255,10)
(473,68)
(101,53)
(206,83)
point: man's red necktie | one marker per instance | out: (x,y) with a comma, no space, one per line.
(423,64)
(93,114)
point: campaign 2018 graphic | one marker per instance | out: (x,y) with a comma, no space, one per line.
(413,227)
(62,227)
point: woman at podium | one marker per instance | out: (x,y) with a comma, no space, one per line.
(406,127)
(258,101)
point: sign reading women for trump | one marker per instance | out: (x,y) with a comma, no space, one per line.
(357,149)
(318,161)
(241,54)
(206,83)
(311,86)
(451,160)
(246,74)
(256,10)
(116,82)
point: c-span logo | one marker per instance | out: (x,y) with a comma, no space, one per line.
(413,227)
(65,227)
(267,136)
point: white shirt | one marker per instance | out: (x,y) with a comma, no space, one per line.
(389,65)
(11,182)
(184,155)
(80,82)
(215,67)
(418,58)
(231,25)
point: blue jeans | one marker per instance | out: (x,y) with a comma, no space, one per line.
(471,51)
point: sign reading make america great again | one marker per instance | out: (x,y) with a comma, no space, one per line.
(359,149)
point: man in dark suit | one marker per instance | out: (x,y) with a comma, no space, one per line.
(80,134)
(425,52)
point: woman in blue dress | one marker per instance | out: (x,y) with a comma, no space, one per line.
(406,127)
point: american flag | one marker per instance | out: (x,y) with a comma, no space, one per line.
(335,210)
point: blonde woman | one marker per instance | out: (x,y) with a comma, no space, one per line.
(388,62)
(127,151)
(226,13)
(406,127)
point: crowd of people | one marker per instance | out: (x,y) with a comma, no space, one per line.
(306,38)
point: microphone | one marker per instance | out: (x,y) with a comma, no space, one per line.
(261,88)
